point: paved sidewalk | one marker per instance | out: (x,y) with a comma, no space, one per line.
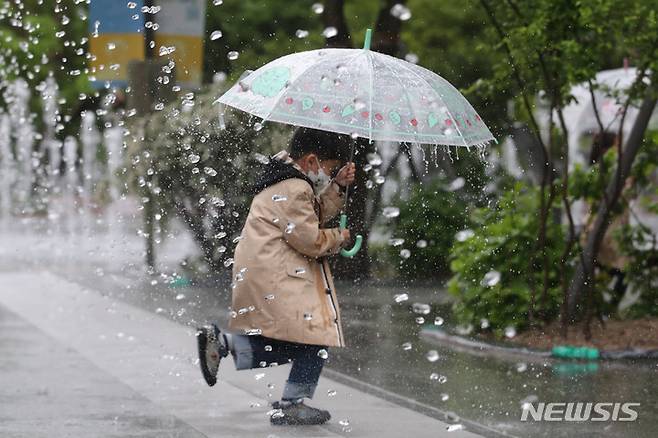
(76,363)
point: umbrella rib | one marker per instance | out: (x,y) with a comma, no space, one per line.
(406,95)
(372,74)
(448,110)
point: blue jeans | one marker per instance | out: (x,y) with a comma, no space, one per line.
(258,351)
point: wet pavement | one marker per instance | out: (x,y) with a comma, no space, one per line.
(67,371)
(483,393)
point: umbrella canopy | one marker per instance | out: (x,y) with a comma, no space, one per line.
(361,93)
(610,94)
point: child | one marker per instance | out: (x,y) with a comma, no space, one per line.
(284,304)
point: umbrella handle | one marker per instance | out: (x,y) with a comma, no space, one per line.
(357,245)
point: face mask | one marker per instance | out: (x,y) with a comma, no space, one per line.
(320,179)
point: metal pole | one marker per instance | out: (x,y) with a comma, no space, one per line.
(149,33)
(149,207)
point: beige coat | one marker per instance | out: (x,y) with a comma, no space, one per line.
(282,285)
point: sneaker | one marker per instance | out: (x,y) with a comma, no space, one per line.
(212,348)
(297,414)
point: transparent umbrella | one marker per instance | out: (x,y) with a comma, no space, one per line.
(361,93)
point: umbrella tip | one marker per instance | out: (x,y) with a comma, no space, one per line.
(366,43)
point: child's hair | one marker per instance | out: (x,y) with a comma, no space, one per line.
(326,145)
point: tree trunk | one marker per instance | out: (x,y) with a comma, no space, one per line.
(334,16)
(386,38)
(583,274)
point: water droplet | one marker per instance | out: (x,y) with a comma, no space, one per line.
(438,321)
(215,35)
(301,33)
(322,354)
(395,241)
(391,212)
(269,297)
(300,271)
(233,55)
(180,297)
(444,397)
(279,198)
(405,253)
(406,346)
(399,298)
(420,308)
(432,355)
(193,158)
(434,376)
(420,320)
(510,332)
(228,262)
(484,324)
(330,32)
(454,427)
(521,367)
(374,159)
(111,46)
(401,12)
(317,8)
(218,2)
(411,57)
(258,126)
(263,159)
(259,376)
(262,364)
(308,317)
(344,423)
(290,227)
(464,235)
(253,332)
(268,348)
(490,279)
(131,5)
(456,184)
(421,244)
(331,393)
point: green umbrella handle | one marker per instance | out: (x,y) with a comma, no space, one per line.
(357,245)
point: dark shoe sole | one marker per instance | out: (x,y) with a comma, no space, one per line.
(287,420)
(202,340)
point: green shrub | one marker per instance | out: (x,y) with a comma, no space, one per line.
(503,241)
(427,223)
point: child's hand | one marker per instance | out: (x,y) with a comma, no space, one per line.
(346,235)
(346,175)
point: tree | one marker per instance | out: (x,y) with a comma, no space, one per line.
(547,47)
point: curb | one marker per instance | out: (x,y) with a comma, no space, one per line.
(488,349)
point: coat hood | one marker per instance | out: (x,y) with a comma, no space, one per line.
(281,167)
